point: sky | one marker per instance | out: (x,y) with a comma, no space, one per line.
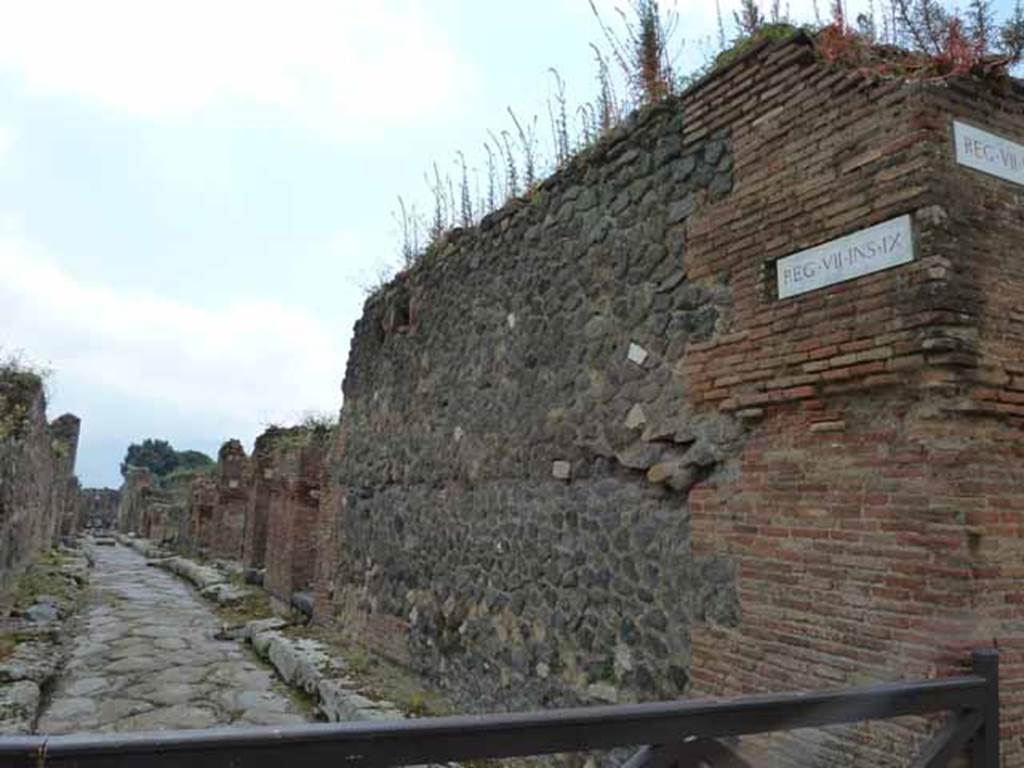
(195,196)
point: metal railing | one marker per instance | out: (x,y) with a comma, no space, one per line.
(679,733)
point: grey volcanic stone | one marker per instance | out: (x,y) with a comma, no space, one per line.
(502,581)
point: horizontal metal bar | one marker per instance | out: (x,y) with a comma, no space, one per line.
(433,740)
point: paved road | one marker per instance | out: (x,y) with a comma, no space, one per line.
(145,658)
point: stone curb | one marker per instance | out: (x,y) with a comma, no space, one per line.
(302,663)
(305,664)
(213,583)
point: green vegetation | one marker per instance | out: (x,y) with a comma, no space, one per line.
(319,423)
(184,474)
(160,458)
(255,605)
(20,381)
(46,577)
(766,31)
(379,678)
(313,427)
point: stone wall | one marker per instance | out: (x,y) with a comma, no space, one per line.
(587,452)
(518,444)
(36,473)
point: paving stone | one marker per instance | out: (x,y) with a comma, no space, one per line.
(87,685)
(176,717)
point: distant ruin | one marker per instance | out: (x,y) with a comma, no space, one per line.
(98,508)
(733,403)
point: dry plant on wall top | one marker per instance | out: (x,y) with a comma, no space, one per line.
(642,49)
(905,38)
(923,38)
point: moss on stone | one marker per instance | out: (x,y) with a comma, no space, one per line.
(768,32)
(46,577)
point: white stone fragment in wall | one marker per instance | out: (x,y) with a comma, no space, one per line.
(637,354)
(511,320)
(561,470)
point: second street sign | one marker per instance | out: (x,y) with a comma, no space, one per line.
(986,152)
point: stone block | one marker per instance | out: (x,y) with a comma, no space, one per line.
(636,417)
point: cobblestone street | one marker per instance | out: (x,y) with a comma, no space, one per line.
(145,658)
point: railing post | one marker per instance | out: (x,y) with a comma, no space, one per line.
(985,749)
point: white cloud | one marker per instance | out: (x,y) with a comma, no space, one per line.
(237,367)
(336,60)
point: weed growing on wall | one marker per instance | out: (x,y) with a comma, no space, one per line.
(20,380)
(635,66)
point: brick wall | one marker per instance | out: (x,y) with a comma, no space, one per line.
(874,515)
(254,542)
(203,526)
(293,505)
(232,480)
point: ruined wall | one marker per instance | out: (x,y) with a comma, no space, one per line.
(157,508)
(254,538)
(205,513)
(71,523)
(233,483)
(36,472)
(202,530)
(586,450)
(131,499)
(217,505)
(292,510)
(98,507)
(65,431)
